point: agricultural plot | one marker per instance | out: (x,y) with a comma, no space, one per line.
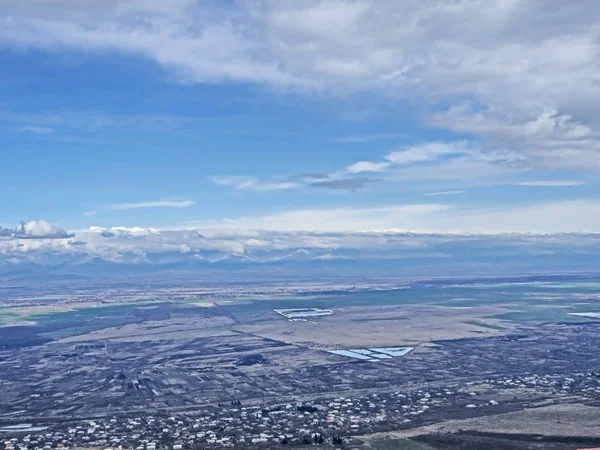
(47,323)
(591,315)
(373,354)
(303,313)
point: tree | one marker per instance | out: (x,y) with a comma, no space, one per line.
(337,440)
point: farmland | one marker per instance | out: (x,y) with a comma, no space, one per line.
(182,353)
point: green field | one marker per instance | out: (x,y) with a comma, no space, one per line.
(69,322)
(529,302)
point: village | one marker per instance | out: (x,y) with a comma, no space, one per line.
(323,421)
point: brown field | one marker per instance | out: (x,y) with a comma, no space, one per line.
(349,327)
(177,329)
(382,326)
(556,420)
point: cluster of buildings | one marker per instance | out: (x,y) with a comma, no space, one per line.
(319,421)
(586,384)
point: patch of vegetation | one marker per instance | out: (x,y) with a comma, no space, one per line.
(19,337)
(7,317)
(57,324)
(306,408)
(251,360)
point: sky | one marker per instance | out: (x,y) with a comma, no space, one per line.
(324,116)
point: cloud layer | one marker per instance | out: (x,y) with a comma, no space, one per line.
(520,75)
(438,233)
(514,81)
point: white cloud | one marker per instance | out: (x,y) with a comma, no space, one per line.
(333,220)
(206,50)
(367,166)
(436,194)
(528,68)
(89,213)
(333,237)
(254,184)
(429,151)
(552,183)
(36,130)
(552,217)
(543,138)
(356,139)
(39,230)
(127,231)
(154,204)
(457,161)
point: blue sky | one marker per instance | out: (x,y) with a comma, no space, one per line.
(318,115)
(100,131)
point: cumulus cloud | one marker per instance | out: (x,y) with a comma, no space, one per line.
(338,234)
(367,166)
(40,230)
(77,243)
(546,138)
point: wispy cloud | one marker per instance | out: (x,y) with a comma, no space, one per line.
(346,184)
(36,129)
(368,166)
(419,154)
(435,194)
(546,217)
(428,151)
(499,71)
(253,184)
(90,121)
(445,160)
(357,139)
(309,176)
(35,229)
(89,213)
(155,204)
(552,183)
